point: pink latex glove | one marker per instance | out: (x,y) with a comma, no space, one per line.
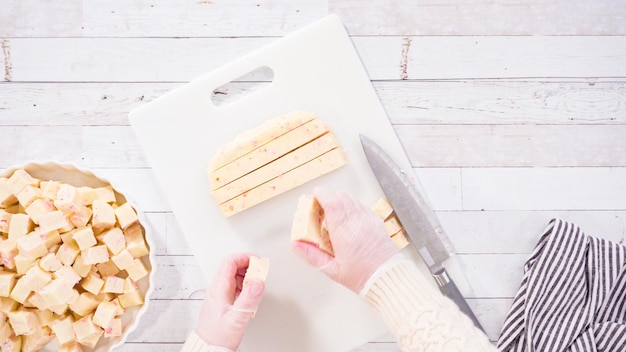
(228,307)
(358,237)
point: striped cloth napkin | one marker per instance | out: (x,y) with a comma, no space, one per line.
(572,296)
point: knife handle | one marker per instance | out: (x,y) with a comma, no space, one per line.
(449,289)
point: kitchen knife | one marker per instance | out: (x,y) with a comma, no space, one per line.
(419,221)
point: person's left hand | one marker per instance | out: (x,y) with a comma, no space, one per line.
(229,305)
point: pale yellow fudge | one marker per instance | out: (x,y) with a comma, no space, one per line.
(54,220)
(123,259)
(85,304)
(114,240)
(20,225)
(382,208)
(400,239)
(125,215)
(73,346)
(24,322)
(95,255)
(61,248)
(113,284)
(7,198)
(308,223)
(137,270)
(114,329)
(84,238)
(103,214)
(273,158)
(313,169)
(5,219)
(258,268)
(64,330)
(7,281)
(273,150)
(50,262)
(93,283)
(394,229)
(130,299)
(39,207)
(20,179)
(276,168)
(104,314)
(28,195)
(392,225)
(32,246)
(37,340)
(254,138)
(13,343)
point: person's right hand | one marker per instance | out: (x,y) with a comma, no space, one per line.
(360,242)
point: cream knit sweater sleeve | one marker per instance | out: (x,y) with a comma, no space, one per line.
(419,316)
(195,344)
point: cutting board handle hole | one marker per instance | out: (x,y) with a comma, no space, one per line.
(243,86)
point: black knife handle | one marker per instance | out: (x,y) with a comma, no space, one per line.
(449,289)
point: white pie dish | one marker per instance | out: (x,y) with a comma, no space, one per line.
(76,176)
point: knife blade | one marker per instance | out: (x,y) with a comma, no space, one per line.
(418,219)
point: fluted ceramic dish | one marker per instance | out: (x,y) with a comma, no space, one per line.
(75,176)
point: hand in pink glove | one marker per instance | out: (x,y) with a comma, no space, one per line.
(228,306)
(358,237)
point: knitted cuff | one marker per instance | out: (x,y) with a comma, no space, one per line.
(399,291)
(380,271)
(195,344)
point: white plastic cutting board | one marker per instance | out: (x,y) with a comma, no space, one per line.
(315,69)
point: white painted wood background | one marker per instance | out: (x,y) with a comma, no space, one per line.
(511,112)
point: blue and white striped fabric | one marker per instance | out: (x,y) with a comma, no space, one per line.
(572,296)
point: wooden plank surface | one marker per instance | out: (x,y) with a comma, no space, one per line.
(453,145)
(493,102)
(511,113)
(476,17)
(190,18)
(384,57)
(427,145)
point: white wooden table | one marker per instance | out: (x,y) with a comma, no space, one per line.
(511,112)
